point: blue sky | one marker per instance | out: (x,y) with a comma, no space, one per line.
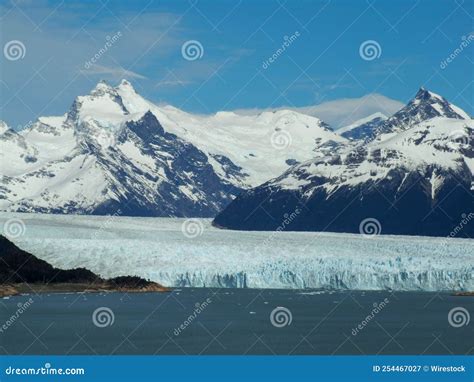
(323,63)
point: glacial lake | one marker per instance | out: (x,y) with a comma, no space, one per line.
(236,321)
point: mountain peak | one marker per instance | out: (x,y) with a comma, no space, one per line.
(3,127)
(424,94)
(101,88)
(126,85)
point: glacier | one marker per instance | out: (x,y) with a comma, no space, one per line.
(180,252)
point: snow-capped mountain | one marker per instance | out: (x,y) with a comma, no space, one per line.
(116,152)
(414,178)
(362,129)
(424,106)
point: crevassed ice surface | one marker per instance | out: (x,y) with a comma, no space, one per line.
(157,249)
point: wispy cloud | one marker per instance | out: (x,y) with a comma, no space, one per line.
(342,112)
(170,83)
(115,72)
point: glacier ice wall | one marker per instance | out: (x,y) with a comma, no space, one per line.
(157,248)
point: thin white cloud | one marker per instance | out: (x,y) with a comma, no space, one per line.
(116,72)
(170,83)
(342,112)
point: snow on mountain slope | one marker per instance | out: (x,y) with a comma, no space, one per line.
(424,106)
(3,127)
(114,150)
(263,145)
(362,121)
(156,249)
(363,128)
(16,155)
(416,181)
